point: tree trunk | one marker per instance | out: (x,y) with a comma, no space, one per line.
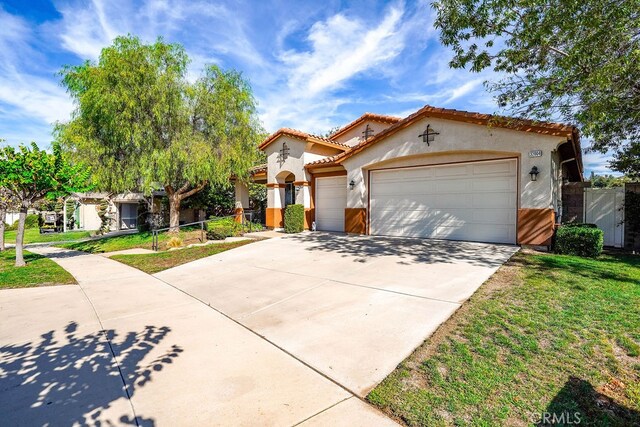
(3,218)
(20,237)
(174,212)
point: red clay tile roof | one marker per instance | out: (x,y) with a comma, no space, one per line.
(366,116)
(258,169)
(326,161)
(525,125)
(294,133)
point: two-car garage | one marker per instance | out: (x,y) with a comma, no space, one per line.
(475,201)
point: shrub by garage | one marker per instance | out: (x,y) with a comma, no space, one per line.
(294,219)
(582,240)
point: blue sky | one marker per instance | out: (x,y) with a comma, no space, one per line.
(312,65)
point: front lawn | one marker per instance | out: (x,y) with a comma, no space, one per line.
(39,271)
(547,335)
(32,235)
(130,241)
(153,263)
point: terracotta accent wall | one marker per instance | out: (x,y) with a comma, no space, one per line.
(275,217)
(535,226)
(355,220)
(309,217)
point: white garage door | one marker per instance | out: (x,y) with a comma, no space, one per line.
(467,201)
(331,199)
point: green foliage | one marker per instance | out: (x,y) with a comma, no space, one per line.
(627,160)
(607,181)
(140,121)
(32,221)
(103,214)
(31,175)
(216,199)
(71,210)
(578,60)
(294,219)
(221,228)
(579,224)
(580,241)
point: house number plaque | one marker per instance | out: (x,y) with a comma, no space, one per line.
(535,153)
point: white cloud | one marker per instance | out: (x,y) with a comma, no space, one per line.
(597,163)
(341,49)
(28,95)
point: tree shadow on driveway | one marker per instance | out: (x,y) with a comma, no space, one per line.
(67,378)
(409,250)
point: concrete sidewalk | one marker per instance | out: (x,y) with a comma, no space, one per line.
(177,361)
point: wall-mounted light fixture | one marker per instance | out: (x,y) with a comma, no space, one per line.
(298,188)
(429,135)
(534,173)
(352,184)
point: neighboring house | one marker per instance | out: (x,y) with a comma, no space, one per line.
(123,210)
(438,173)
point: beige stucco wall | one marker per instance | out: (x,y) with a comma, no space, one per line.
(354,136)
(459,141)
(89,219)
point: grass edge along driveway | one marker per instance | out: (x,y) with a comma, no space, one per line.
(547,334)
(39,271)
(159,261)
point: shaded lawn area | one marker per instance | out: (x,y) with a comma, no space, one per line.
(39,271)
(130,241)
(547,333)
(32,235)
(156,262)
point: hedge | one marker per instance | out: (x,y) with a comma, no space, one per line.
(294,219)
(582,241)
(579,224)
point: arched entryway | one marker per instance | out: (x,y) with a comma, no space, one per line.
(287,193)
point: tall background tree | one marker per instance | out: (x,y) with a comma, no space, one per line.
(29,175)
(573,60)
(140,123)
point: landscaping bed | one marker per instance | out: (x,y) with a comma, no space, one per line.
(39,271)
(547,334)
(156,262)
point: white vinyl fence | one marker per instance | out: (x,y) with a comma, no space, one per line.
(605,208)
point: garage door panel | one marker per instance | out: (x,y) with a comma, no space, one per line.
(488,185)
(475,201)
(501,168)
(451,171)
(493,200)
(330,202)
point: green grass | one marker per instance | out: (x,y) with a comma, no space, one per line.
(32,235)
(547,333)
(153,263)
(39,271)
(130,241)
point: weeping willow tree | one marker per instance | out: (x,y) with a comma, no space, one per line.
(142,124)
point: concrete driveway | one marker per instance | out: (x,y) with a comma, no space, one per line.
(350,307)
(284,332)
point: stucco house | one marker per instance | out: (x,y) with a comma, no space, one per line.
(438,173)
(123,210)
